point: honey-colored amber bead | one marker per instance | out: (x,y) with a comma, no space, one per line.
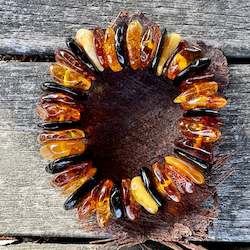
(149,43)
(67,134)
(73,178)
(170,44)
(56,112)
(210,102)
(186,169)
(103,210)
(110,50)
(196,130)
(181,61)
(69,78)
(85,38)
(133,40)
(57,149)
(131,207)
(204,88)
(99,47)
(142,196)
(164,183)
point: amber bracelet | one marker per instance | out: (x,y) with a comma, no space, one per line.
(136,42)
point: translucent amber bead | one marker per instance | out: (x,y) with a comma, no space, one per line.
(57,149)
(182,60)
(196,130)
(149,43)
(69,78)
(204,88)
(72,179)
(55,112)
(186,169)
(210,102)
(142,196)
(67,134)
(170,44)
(133,39)
(164,183)
(103,211)
(110,50)
(99,47)
(131,207)
(85,38)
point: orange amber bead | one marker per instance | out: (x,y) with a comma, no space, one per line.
(55,112)
(186,169)
(210,102)
(69,78)
(110,50)
(195,130)
(57,149)
(164,184)
(103,211)
(197,89)
(73,178)
(133,40)
(131,207)
(149,43)
(67,134)
(182,60)
(99,47)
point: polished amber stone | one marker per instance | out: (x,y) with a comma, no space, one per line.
(149,43)
(69,78)
(203,152)
(133,39)
(67,134)
(110,51)
(57,149)
(56,112)
(103,210)
(204,88)
(73,178)
(164,183)
(130,205)
(99,46)
(142,196)
(210,102)
(170,44)
(181,61)
(185,169)
(66,58)
(196,130)
(207,120)
(85,38)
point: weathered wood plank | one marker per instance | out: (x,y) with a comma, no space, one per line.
(40,26)
(30,207)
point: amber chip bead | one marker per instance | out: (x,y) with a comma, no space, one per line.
(133,39)
(103,210)
(197,130)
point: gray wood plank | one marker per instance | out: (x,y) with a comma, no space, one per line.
(39,26)
(28,206)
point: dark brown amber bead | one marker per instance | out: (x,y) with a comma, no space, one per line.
(120,42)
(201,112)
(67,134)
(198,131)
(103,210)
(56,112)
(203,152)
(99,46)
(131,207)
(116,201)
(182,60)
(58,125)
(149,43)
(164,183)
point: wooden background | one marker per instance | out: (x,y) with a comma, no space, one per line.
(28,207)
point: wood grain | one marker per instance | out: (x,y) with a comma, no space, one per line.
(30,207)
(39,26)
